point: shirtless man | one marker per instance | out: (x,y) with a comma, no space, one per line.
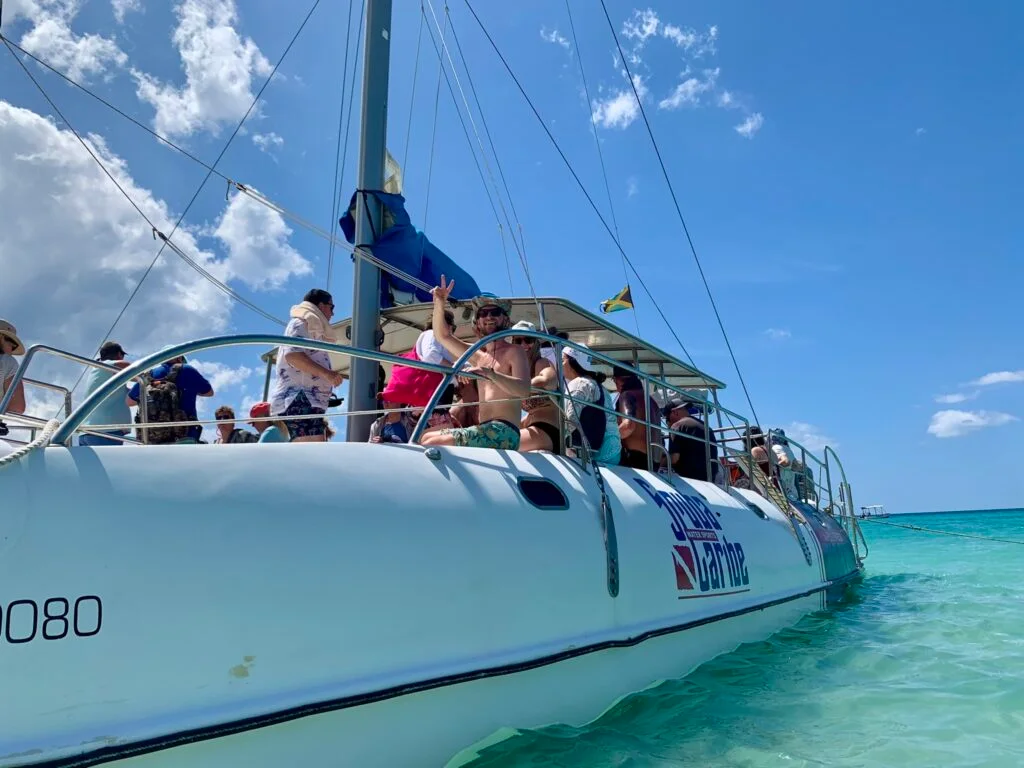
(503,366)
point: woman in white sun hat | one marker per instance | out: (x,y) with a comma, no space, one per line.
(10,345)
(600,427)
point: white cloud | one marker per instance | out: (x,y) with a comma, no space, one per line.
(256,239)
(632,186)
(809,436)
(122,7)
(621,108)
(267,141)
(958,423)
(1000,377)
(219,69)
(777,334)
(956,397)
(689,92)
(643,25)
(79,248)
(51,39)
(556,37)
(727,100)
(695,43)
(920,132)
(750,126)
(222,376)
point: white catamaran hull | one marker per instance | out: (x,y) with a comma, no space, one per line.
(353,604)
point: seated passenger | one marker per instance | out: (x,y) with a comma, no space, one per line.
(226,430)
(635,409)
(268,431)
(689,451)
(540,430)
(414,386)
(599,427)
(504,370)
(394,427)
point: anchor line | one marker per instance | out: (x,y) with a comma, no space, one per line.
(922,529)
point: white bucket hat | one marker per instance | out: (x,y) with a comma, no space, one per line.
(8,330)
(582,358)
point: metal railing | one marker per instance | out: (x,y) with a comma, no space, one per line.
(823,495)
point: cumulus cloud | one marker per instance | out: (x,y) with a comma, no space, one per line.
(556,37)
(50,38)
(750,126)
(220,67)
(777,334)
(809,436)
(695,43)
(999,377)
(256,240)
(267,141)
(78,249)
(954,423)
(621,108)
(222,376)
(689,92)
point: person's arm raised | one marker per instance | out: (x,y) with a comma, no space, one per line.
(456,347)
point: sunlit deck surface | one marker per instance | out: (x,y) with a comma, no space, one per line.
(402,325)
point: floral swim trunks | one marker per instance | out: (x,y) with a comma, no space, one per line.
(497,433)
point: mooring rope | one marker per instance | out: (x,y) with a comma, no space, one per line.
(937,531)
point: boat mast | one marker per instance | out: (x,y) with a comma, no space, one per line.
(373,131)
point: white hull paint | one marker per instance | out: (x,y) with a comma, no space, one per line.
(347,604)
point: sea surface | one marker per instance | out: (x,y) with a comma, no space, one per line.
(922,666)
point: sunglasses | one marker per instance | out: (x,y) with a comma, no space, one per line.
(490,312)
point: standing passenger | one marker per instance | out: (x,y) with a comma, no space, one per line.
(113,410)
(304,376)
(11,345)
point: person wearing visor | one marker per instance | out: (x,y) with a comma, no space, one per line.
(504,368)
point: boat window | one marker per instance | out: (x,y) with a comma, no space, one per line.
(543,493)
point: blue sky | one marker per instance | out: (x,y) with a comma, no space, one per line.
(860,233)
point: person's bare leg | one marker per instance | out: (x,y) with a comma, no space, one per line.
(437,438)
(534,439)
(310,439)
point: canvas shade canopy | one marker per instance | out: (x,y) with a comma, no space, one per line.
(402,325)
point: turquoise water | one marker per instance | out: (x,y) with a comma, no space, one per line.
(923,666)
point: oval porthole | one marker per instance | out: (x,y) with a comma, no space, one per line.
(543,493)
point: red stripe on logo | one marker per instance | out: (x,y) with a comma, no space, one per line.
(684,575)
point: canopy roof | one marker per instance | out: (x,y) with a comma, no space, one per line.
(403,324)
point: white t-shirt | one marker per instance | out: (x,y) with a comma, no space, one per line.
(584,389)
(430,350)
(8,367)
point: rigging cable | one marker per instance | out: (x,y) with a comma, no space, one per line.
(519,245)
(415,77)
(433,131)
(165,240)
(253,194)
(679,212)
(597,143)
(476,161)
(337,149)
(579,183)
(351,104)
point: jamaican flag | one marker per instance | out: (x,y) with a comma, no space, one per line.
(622,300)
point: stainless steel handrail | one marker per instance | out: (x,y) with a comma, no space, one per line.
(31,353)
(122,376)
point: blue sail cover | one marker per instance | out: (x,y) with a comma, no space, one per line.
(404,247)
